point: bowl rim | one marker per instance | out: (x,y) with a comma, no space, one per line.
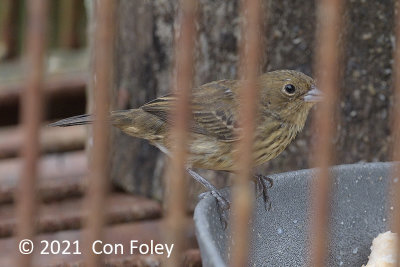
(206,240)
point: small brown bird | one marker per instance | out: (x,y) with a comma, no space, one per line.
(286,98)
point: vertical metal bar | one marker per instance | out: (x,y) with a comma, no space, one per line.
(327,74)
(395,221)
(9,29)
(183,79)
(101,84)
(31,110)
(242,193)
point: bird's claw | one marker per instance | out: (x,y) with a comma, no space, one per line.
(223,205)
(263,183)
(222,202)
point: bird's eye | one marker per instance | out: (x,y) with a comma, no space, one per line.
(289,89)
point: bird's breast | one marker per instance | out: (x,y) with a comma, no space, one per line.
(269,144)
(209,153)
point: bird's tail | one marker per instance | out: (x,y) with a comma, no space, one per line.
(115,117)
(71,121)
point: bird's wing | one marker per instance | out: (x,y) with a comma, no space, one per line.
(213,106)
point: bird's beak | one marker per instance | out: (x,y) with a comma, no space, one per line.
(314,95)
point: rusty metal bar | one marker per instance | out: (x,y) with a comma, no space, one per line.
(31,110)
(242,193)
(395,183)
(183,79)
(327,74)
(9,29)
(101,84)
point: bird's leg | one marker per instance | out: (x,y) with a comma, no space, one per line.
(263,183)
(222,203)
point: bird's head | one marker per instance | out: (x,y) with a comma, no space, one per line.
(289,94)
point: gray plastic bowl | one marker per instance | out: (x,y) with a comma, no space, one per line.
(280,236)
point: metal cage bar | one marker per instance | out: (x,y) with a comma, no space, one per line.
(395,183)
(183,79)
(31,110)
(327,76)
(99,179)
(242,208)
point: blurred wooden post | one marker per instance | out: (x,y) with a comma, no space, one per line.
(134,162)
(176,173)
(242,193)
(396,136)
(31,110)
(68,30)
(327,76)
(9,28)
(103,46)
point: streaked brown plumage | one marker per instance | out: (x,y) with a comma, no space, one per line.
(281,115)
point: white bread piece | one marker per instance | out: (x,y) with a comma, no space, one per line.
(383,251)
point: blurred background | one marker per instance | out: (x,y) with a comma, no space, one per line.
(142,70)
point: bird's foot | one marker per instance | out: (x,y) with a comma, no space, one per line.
(223,204)
(263,183)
